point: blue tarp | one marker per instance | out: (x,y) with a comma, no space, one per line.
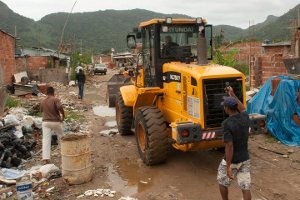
(279,109)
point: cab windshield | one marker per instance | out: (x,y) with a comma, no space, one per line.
(178,41)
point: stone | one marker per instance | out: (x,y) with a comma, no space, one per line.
(290,151)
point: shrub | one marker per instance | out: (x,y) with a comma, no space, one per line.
(227,59)
(12,102)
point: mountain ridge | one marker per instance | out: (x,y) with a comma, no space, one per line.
(103,29)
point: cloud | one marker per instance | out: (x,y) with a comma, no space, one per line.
(230,12)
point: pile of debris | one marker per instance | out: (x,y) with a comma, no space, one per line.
(18,134)
(251,93)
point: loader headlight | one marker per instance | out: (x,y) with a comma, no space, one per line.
(199,20)
(201,28)
(169,20)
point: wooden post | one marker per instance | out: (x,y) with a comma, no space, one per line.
(3,96)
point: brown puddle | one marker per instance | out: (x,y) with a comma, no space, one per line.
(128,178)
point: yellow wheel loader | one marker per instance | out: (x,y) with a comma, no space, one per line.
(176,95)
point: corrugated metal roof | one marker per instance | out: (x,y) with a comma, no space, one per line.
(42,52)
(277,44)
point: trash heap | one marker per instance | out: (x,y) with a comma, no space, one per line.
(18,135)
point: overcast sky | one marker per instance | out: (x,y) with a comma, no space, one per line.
(230,12)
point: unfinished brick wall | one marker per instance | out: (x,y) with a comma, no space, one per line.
(244,50)
(7,56)
(31,63)
(21,64)
(265,60)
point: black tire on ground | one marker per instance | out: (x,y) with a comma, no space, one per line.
(104,73)
(151,135)
(111,101)
(124,116)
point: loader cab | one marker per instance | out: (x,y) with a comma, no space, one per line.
(170,40)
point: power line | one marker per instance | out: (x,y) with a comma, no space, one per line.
(63,31)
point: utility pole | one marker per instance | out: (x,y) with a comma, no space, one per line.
(81,46)
(298,18)
(250,55)
(63,30)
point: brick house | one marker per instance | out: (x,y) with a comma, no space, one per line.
(265,60)
(44,65)
(7,57)
(39,58)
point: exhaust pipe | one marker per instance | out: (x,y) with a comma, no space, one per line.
(201,50)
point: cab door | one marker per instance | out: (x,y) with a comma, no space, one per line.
(147,54)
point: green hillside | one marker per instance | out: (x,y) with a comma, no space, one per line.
(99,30)
(231,33)
(279,29)
(102,30)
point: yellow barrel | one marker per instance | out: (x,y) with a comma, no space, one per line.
(77,165)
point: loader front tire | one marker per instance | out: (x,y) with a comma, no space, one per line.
(124,116)
(151,135)
(111,101)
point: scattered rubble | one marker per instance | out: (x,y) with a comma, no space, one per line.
(127,198)
(20,143)
(16,137)
(251,93)
(98,192)
(110,132)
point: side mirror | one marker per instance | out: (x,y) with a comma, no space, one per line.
(138,32)
(130,73)
(139,35)
(131,42)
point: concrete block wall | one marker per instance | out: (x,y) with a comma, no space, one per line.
(49,75)
(7,56)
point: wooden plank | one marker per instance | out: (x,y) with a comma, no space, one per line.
(3,96)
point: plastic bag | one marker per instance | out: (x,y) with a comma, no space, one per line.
(12,174)
(38,122)
(11,120)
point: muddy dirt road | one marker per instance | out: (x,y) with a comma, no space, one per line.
(185,176)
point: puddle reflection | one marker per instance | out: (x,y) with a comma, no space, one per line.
(128,178)
(104,111)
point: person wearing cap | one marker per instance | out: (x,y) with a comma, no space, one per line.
(236,162)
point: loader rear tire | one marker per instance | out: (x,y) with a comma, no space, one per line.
(151,135)
(124,116)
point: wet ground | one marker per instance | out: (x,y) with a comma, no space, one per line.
(184,176)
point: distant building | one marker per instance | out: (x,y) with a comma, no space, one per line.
(101,58)
(40,58)
(121,59)
(44,65)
